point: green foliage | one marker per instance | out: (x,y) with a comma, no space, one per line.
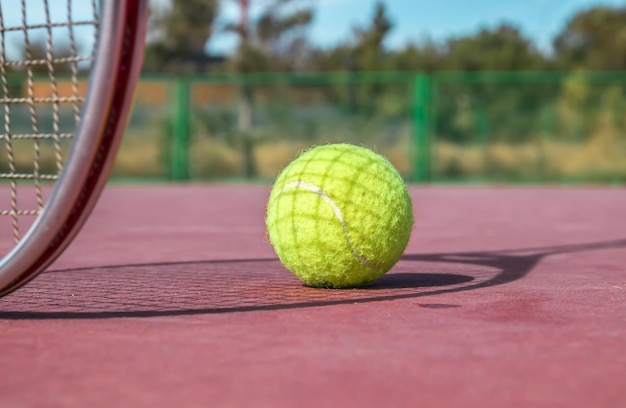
(425,57)
(594,39)
(270,43)
(369,51)
(178,36)
(276,40)
(479,124)
(501,49)
(273,41)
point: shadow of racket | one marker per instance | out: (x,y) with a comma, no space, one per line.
(246,285)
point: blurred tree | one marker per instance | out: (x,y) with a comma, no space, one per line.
(282,34)
(468,112)
(363,52)
(425,57)
(369,54)
(337,58)
(594,39)
(503,48)
(273,41)
(369,49)
(177,36)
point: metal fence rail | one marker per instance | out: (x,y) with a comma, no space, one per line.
(445,126)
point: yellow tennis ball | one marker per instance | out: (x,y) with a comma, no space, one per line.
(339,216)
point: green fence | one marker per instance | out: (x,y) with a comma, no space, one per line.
(452,126)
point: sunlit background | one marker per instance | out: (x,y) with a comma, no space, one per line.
(450,91)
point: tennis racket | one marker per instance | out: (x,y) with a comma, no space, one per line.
(68,69)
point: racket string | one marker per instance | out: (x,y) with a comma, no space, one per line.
(33,112)
(55,92)
(51,25)
(13,212)
(42,100)
(45,100)
(73,66)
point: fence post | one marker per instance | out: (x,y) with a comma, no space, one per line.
(421,128)
(179,164)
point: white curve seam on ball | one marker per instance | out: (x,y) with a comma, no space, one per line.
(363,260)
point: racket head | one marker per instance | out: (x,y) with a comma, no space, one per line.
(115,71)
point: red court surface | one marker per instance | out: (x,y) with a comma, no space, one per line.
(172,297)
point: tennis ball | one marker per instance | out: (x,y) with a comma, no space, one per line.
(339,216)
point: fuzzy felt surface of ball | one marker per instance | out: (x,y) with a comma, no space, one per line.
(339,216)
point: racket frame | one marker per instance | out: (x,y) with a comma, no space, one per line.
(116,68)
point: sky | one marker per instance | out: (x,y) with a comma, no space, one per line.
(35,12)
(416,20)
